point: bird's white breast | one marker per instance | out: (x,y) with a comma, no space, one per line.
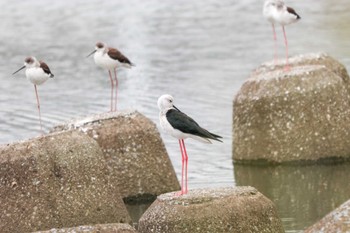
(166,126)
(279,16)
(36,75)
(103,60)
(268,14)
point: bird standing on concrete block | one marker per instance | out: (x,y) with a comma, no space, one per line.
(276,12)
(181,126)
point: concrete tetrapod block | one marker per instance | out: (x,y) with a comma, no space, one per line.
(307,59)
(134,151)
(298,116)
(57,180)
(100,228)
(336,221)
(219,210)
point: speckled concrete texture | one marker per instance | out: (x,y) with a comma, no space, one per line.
(134,151)
(307,59)
(336,221)
(302,115)
(100,228)
(233,209)
(57,180)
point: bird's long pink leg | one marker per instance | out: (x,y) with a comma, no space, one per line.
(186,165)
(112,86)
(38,103)
(286,68)
(116,88)
(275,44)
(182,168)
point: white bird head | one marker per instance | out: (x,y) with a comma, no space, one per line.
(165,102)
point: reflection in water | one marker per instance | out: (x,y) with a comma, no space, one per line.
(302,194)
(136,211)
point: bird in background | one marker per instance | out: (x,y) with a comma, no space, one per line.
(110,59)
(37,72)
(276,12)
(181,126)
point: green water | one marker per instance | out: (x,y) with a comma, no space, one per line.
(302,194)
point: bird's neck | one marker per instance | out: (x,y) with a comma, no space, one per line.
(163,112)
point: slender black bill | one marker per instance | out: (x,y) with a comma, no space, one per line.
(91,53)
(176,108)
(19,69)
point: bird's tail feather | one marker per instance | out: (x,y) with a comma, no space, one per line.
(215,137)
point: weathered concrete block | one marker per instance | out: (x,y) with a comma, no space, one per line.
(236,209)
(134,151)
(58,180)
(301,115)
(307,59)
(100,228)
(336,221)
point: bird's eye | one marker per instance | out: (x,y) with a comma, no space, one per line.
(170,101)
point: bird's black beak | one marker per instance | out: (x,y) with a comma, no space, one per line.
(176,108)
(19,69)
(91,53)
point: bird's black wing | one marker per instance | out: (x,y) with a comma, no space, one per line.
(180,121)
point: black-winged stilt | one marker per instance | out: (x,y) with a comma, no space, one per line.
(181,126)
(110,59)
(37,72)
(276,12)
